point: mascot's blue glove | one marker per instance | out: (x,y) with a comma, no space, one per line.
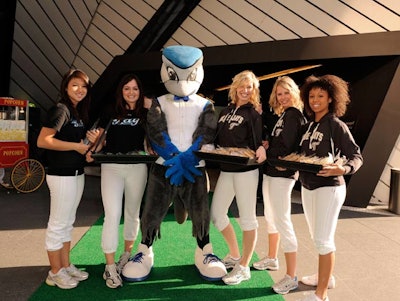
(189,159)
(184,165)
(167,151)
(175,171)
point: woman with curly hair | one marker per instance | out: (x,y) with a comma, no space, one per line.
(239,125)
(323,194)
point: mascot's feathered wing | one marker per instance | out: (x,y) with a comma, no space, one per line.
(178,123)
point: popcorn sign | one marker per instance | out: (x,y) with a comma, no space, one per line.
(12,152)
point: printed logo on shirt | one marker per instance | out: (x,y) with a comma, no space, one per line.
(126,121)
(232,120)
(77,123)
(315,137)
(278,128)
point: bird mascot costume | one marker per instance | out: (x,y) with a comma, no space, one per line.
(178,124)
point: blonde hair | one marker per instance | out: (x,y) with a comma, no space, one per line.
(239,79)
(287,83)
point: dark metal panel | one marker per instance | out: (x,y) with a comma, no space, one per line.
(381,140)
(7,17)
(162,25)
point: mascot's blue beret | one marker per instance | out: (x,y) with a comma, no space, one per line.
(182,56)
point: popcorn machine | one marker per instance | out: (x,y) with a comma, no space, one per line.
(27,174)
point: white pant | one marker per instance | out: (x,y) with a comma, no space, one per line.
(243,185)
(277,210)
(117,181)
(321,209)
(65,196)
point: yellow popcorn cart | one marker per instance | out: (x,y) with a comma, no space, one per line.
(27,174)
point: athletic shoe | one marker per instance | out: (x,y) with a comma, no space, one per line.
(230,262)
(313,297)
(267,263)
(285,285)
(76,273)
(139,266)
(210,267)
(123,260)
(62,279)
(313,281)
(237,275)
(111,276)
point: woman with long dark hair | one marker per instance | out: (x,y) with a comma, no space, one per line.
(122,185)
(62,135)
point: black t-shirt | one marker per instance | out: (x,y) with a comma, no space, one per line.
(68,129)
(124,135)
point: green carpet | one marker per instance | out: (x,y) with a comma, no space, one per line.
(174,276)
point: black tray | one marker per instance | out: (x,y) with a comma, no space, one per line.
(123,158)
(219,158)
(314,168)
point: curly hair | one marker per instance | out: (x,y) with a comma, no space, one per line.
(287,83)
(337,89)
(239,79)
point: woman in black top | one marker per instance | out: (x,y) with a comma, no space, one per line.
(323,194)
(278,183)
(62,135)
(239,125)
(122,185)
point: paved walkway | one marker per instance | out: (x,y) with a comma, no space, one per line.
(367,260)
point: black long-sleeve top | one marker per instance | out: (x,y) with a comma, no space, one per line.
(284,139)
(239,127)
(329,135)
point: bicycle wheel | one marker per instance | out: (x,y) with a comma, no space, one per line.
(27,175)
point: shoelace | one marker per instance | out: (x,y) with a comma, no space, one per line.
(137,258)
(210,258)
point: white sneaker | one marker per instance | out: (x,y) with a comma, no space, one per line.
(285,285)
(62,279)
(267,263)
(111,276)
(123,260)
(76,273)
(313,297)
(230,262)
(139,266)
(313,281)
(237,275)
(210,267)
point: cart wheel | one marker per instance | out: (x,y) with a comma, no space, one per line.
(27,175)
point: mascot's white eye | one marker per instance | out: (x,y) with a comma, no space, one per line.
(172,74)
(192,76)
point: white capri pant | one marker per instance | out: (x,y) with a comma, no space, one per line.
(321,209)
(117,181)
(243,185)
(65,196)
(277,193)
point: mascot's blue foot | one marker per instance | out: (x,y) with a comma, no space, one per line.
(139,266)
(210,267)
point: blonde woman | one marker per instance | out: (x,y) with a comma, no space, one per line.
(239,125)
(278,183)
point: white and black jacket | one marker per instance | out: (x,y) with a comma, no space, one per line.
(329,135)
